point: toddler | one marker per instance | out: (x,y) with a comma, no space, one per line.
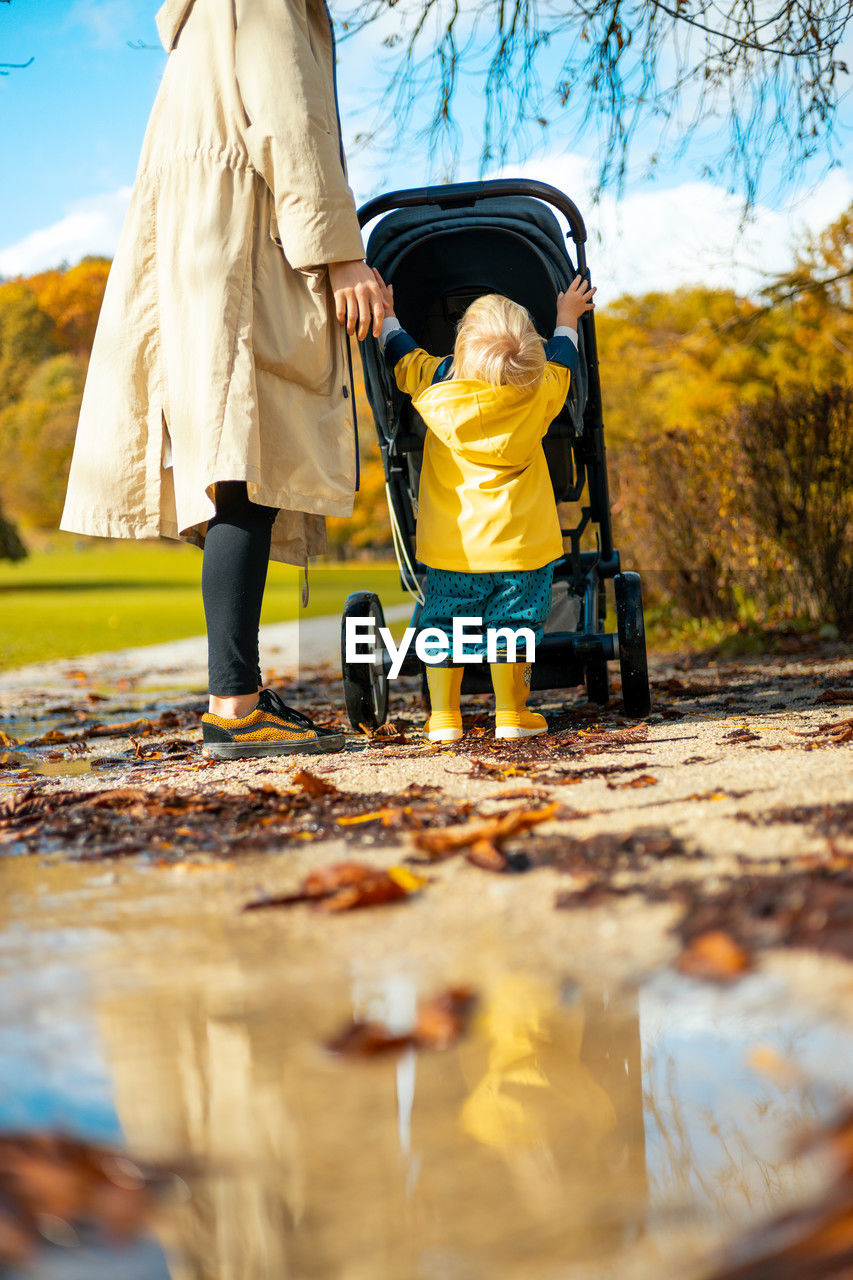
(488,529)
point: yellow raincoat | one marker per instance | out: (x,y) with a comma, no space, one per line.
(485,504)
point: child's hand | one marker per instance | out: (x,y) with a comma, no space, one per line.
(572,304)
(387,292)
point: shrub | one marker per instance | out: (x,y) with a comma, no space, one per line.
(11,546)
(680,519)
(752,515)
(798,456)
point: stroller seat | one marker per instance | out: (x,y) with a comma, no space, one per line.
(441,248)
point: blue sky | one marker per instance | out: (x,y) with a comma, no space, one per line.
(73,124)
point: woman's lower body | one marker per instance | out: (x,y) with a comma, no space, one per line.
(513,600)
(233,578)
(244,719)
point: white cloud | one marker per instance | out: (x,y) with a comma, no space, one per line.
(653,239)
(106,23)
(690,233)
(90,226)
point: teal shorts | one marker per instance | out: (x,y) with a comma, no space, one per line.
(518,599)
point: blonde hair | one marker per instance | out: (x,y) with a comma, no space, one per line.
(496,342)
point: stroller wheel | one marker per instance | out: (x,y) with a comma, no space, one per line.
(632,645)
(365,683)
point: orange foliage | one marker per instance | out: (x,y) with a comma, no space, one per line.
(73,300)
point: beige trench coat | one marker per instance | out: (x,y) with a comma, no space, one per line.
(218,355)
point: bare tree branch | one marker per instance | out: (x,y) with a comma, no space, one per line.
(6,67)
(766,81)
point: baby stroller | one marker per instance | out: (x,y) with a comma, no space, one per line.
(442,247)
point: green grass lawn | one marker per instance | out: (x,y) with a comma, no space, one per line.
(73,599)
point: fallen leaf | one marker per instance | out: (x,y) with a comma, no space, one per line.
(446,841)
(643,780)
(714,956)
(46,1177)
(743,734)
(345,886)
(768,1061)
(443,1019)
(439,1024)
(812,1241)
(385,816)
(407,879)
(313,785)
(835,695)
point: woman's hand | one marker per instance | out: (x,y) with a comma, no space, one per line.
(572,304)
(387,291)
(358,298)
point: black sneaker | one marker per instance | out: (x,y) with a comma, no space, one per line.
(270,729)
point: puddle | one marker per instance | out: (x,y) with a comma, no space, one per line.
(575,1132)
(72,767)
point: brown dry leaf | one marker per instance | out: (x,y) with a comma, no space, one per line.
(444,1018)
(813,1241)
(836,1138)
(367,1039)
(142,727)
(440,1022)
(718,794)
(51,1176)
(344,886)
(486,854)
(744,734)
(481,769)
(835,696)
(313,785)
(385,816)
(838,732)
(449,840)
(714,956)
(768,1061)
(642,780)
(388,735)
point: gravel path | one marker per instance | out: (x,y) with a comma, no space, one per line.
(744,767)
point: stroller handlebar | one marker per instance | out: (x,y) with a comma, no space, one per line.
(467,193)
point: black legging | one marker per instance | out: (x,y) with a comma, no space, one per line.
(233,576)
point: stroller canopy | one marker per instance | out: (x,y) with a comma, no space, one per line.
(440,260)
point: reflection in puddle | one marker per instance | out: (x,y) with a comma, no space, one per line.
(70,767)
(573,1131)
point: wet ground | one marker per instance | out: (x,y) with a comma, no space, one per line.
(598,1112)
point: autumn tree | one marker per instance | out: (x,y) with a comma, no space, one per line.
(688,358)
(26,338)
(731,438)
(72,298)
(38,432)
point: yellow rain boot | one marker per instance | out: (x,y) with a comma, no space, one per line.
(445,722)
(511,683)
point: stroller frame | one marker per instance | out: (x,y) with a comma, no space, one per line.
(574,446)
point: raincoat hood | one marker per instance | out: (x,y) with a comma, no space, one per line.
(170,19)
(498,425)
